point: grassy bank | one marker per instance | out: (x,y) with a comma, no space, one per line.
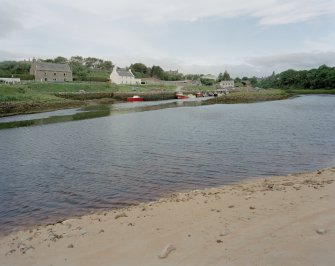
(318,91)
(39,97)
(249,97)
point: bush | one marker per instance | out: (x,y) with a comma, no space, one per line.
(94,79)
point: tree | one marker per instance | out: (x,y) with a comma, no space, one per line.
(140,70)
(157,72)
(60,60)
(226,76)
(77,59)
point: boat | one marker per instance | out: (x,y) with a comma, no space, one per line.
(135,98)
(199,94)
(180,95)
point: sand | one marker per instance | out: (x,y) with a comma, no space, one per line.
(286,220)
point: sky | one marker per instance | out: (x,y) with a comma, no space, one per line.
(246,38)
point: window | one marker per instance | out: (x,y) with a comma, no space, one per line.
(55,74)
(64,74)
(45,79)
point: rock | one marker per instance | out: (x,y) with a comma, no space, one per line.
(83,232)
(130,224)
(10,252)
(219,241)
(26,250)
(54,237)
(101,231)
(166,251)
(231,206)
(297,187)
(288,184)
(70,246)
(120,215)
(225,233)
(252,208)
(321,231)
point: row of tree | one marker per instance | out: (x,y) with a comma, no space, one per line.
(92,68)
(320,78)
(13,68)
(140,70)
(89,68)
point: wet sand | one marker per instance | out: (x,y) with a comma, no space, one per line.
(287,220)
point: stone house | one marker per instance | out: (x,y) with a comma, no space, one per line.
(123,76)
(50,72)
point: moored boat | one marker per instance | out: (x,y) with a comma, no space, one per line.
(135,98)
(180,95)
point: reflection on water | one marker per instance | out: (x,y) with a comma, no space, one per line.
(90,112)
(126,155)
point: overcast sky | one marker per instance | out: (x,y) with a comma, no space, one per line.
(246,38)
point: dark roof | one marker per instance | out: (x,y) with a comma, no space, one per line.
(42,66)
(124,72)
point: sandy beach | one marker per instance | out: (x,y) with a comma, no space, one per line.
(287,220)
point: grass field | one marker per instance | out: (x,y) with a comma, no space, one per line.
(38,97)
(250,96)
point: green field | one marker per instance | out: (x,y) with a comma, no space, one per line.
(250,96)
(38,97)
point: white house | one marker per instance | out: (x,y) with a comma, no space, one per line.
(227,84)
(123,76)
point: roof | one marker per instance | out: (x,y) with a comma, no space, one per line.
(124,72)
(42,66)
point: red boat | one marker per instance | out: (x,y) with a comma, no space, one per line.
(180,95)
(135,98)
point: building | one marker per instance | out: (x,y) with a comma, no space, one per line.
(50,72)
(227,84)
(10,80)
(123,76)
(151,81)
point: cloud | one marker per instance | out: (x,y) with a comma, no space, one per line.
(9,21)
(268,12)
(293,60)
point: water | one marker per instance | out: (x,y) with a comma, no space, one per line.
(131,153)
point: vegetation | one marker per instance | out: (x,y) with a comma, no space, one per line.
(86,69)
(207,82)
(140,70)
(314,79)
(224,76)
(250,97)
(15,69)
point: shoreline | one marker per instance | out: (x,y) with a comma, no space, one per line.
(274,220)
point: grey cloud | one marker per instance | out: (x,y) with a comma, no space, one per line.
(294,60)
(263,66)
(8,21)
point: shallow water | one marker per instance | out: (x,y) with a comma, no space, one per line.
(138,152)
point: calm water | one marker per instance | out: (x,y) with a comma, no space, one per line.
(130,153)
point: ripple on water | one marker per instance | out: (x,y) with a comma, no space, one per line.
(53,171)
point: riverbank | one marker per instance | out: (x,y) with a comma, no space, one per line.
(41,97)
(250,97)
(287,220)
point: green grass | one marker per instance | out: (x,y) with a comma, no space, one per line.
(250,96)
(317,91)
(38,97)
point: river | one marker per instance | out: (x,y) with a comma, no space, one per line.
(61,164)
